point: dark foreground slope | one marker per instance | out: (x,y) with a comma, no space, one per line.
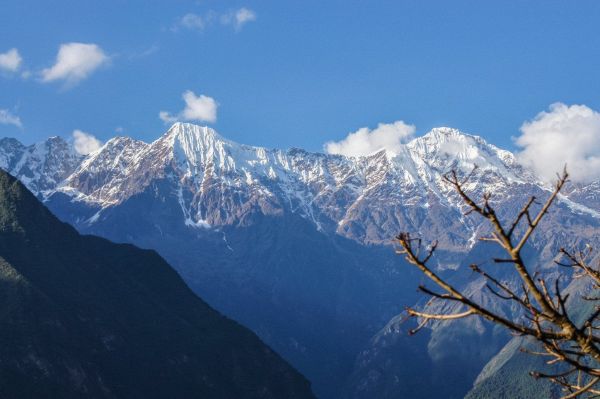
(83,317)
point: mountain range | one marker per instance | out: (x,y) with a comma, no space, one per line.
(297,246)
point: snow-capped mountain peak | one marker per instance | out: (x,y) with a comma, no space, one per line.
(446,145)
(198,146)
(40,166)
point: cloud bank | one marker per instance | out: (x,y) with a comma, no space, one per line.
(75,62)
(388,136)
(8,118)
(197,108)
(11,60)
(562,135)
(85,143)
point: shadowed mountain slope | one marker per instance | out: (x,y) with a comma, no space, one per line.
(83,317)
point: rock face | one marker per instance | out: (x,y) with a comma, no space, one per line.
(83,317)
(296,245)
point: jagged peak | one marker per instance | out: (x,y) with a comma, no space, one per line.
(447,131)
(118,143)
(440,135)
(10,141)
(447,148)
(196,145)
(54,141)
(453,143)
(118,140)
(109,149)
(189,131)
(193,143)
(51,143)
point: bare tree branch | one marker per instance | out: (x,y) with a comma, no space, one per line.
(545,315)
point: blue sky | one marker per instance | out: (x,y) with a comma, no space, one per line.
(297,73)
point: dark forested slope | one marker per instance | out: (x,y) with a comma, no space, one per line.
(83,317)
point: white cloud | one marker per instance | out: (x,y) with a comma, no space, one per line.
(75,62)
(388,136)
(166,117)
(11,60)
(242,16)
(197,108)
(238,18)
(8,118)
(196,22)
(563,135)
(85,143)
